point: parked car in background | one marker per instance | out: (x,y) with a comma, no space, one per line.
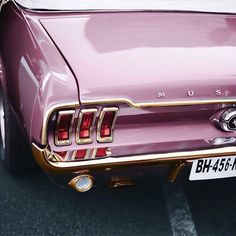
(116,87)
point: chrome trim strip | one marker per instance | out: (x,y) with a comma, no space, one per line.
(48,114)
(100,121)
(69,140)
(80,118)
(158,104)
(128,102)
(130,161)
(93,156)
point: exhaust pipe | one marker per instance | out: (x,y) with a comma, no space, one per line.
(82,183)
(174,171)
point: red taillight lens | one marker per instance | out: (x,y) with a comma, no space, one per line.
(64,127)
(63,134)
(85,125)
(80,154)
(101,152)
(106,124)
(62,154)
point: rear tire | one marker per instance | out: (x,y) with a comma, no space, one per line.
(14,150)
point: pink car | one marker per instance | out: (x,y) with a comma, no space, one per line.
(118,87)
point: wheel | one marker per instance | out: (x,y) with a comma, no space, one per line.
(14,150)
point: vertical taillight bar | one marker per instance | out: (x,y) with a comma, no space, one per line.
(85,126)
(106,124)
(64,126)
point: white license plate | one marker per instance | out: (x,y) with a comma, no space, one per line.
(213,168)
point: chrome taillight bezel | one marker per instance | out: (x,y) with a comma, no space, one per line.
(88,140)
(100,121)
(59,116)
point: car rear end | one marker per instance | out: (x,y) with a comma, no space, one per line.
(155,88)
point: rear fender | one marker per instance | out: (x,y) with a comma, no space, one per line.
(2,75)
(38,77)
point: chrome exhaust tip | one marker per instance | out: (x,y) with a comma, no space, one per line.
(82,183)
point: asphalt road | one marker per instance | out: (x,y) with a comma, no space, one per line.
(32,205)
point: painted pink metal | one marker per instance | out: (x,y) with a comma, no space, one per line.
(137,55)
(37,75)
(52,58)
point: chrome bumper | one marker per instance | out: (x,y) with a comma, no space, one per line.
(43,155)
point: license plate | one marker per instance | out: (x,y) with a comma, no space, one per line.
(213,168)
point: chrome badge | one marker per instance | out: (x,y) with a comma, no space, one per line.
(228,120)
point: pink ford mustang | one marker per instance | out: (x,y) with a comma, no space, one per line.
(114,86)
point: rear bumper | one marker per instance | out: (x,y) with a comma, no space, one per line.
(47,160)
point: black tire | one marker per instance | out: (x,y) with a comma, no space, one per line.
(16,153)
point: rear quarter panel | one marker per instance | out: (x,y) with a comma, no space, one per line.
(37,77)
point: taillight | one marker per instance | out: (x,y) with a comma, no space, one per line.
(64,125)
(101,152)
(80,154)
(63,155)
(84,130)
(106,124)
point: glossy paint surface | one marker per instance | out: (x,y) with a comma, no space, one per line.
(141,55)
(138,55)
(37,77)
(63,58)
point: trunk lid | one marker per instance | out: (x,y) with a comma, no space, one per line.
(148,56)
